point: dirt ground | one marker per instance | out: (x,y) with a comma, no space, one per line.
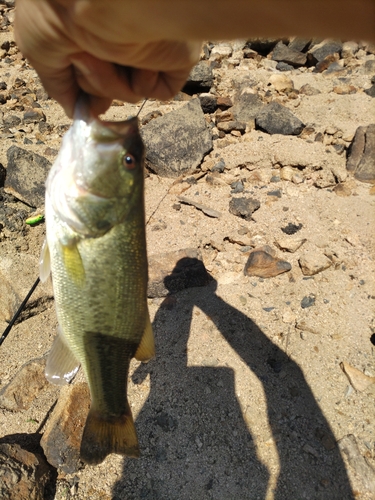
(245,398)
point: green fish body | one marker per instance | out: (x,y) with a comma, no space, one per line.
(96,250)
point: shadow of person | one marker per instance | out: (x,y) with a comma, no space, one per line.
(193,439)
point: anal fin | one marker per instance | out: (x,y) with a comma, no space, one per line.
(104,434)
(61,366)
(146,348)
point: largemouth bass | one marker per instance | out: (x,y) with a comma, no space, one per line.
(96,249)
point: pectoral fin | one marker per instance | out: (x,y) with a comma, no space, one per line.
(44,262)
(61,366)
(146,348)
(73,263)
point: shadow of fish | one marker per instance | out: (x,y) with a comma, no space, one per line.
(96,250)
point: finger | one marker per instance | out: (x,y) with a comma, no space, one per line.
(102,79)
(60,85)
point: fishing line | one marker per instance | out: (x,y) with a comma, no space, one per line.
(20,309)
(140,109)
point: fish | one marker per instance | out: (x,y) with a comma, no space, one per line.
(95,250)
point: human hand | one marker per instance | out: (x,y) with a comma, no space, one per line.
(72,48)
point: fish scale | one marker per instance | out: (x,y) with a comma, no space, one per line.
(96,250)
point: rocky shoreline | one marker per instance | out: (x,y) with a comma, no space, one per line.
(260,216)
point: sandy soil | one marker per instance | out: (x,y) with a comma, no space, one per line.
(246,398)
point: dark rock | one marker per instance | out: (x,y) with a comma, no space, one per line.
(166,422)
(263,264)
(23,475)
(291,228)
(208,102)
(174,271)
(237,187)
(34,115)
(26,176)
(3,86)
(371,91)
(275,364)
(307,301)
(262,45)
(27,141)
(323,49)
(282,66)
(200,79)
(246,107)
(3,99)
(276,119)
(45,128)
(11,121)
(361,157)
(243,207)
(307,89)
(219,166)
(290,56)
(177,142)
(299,44)
(28,382)
(231,125)
(3,173)
(276,193)
(62,437)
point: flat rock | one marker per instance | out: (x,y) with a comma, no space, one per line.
(290,244)
(313,263)
(243,207)
(231,125)
(349,447)
(361,158)
(299,44)
(23,475)
(177,142)
(246,107)
(200,79)
(320,51)
(28,382)
(62,437)
(26,176)
(173,271)
(277,119)
(264,265)
(288,55)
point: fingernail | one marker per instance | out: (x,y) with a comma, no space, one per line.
(81,67)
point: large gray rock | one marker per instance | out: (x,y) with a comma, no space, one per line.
(361,158)
(277,119)
(26,176)
(323,49)
(246,107)
(177,142)
(200,79)
(290,56)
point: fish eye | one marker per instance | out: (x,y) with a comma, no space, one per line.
(128,161)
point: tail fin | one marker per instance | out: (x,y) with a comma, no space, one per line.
(104,434)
